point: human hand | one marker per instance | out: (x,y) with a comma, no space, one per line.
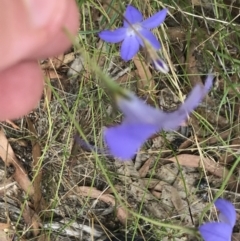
(30,30)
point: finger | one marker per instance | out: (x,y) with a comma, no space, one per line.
(21,88)
(58,42)
(41,23)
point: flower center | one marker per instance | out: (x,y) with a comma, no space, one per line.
(131,30)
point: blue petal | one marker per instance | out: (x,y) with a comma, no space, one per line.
(124,140)
(141,121)
(155,20)
(136,110)
(227,211)
(114,36)
(173,119)
(160,65)
(132,15)
(216,231)
(150,37)
(129,48)
(208,82)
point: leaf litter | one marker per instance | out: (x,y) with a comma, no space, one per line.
(61,196)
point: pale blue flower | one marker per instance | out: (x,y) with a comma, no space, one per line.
(222,230)
(141,121)
(131,31)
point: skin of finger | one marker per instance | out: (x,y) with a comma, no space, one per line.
(57,40)
(21,88)
(22,40)
(18,38)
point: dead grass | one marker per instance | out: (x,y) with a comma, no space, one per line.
(167,189)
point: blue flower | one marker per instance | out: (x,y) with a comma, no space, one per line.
(133,30)
(222,230)
(159,64)
(141,121)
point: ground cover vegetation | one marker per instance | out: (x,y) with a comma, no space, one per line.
(136,136)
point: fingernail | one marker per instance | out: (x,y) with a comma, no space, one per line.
(42,11)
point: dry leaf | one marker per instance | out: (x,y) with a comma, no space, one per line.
(210,141)
(52,74)
(8,156)
(144,73)
(121,213)
(176,200)
(215,139)
(38,200)
(191,67)
(68,58)
(186,144)
(156,194)
(53,63)
(195,161)
(14,126)
(47,95)
(230,156)
(57,62)
(31,219)
(145,168)
(208,164)
(154,184)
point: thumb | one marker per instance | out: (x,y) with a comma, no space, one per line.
(21,88)
(39,33)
